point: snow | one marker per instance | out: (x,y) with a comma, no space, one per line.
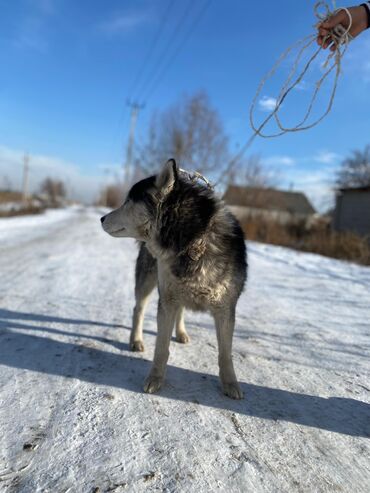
(22,228)
(11,206)
(73,417)
(18,206)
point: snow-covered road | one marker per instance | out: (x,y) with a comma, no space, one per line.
(73,417)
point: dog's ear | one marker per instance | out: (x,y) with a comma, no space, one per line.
(167,177)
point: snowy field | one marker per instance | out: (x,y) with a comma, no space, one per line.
(73,417)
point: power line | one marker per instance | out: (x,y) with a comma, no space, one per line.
(167,48)
(152,46)
(178,48)
(125,115)
(159,69)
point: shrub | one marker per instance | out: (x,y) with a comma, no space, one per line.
(111,196)
(316,239)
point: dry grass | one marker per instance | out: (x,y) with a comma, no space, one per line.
(22,212)
(319,239)
(8,196)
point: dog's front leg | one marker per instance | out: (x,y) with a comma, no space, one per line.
(225,321)
(167,311)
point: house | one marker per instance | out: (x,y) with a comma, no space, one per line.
(352,210)
(268,203)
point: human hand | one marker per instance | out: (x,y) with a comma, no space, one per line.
(359,24)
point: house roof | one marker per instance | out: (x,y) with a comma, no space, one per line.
(355,189)
(269,198)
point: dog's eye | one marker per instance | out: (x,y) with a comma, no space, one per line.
(126,201)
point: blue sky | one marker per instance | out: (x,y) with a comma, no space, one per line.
(68,67)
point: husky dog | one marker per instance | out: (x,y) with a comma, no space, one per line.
(195,248)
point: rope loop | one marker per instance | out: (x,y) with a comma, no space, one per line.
(340,37)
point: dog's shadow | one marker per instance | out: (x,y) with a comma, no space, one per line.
(82,359)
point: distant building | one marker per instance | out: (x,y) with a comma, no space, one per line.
(268,203)
(352,210)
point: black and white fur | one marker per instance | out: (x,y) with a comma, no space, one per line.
(195,250)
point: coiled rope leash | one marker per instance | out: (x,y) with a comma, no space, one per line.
(193,176)
(340,38)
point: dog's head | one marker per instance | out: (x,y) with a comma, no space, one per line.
(136,217)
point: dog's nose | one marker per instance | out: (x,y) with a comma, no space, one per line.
(102,219)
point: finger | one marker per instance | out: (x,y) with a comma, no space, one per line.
(327,42)
(323,32)
(323,41)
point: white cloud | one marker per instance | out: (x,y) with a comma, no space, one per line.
(267,103)
(124,23)
(317,185)
(302,86)
(327,157)
(279,161)
(80,185)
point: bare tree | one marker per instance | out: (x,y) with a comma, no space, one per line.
(54,189)
(355,170)
(251,172)
(190,131)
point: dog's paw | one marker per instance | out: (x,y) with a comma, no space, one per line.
(232,390)
(152,384)
(137,346)
(182,338)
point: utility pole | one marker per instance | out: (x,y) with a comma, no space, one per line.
(135,108)
(26,167)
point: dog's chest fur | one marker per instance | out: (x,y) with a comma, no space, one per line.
(204,289)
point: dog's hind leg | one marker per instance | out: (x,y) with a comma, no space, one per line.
(225,321)
(146,278)
(181,334)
